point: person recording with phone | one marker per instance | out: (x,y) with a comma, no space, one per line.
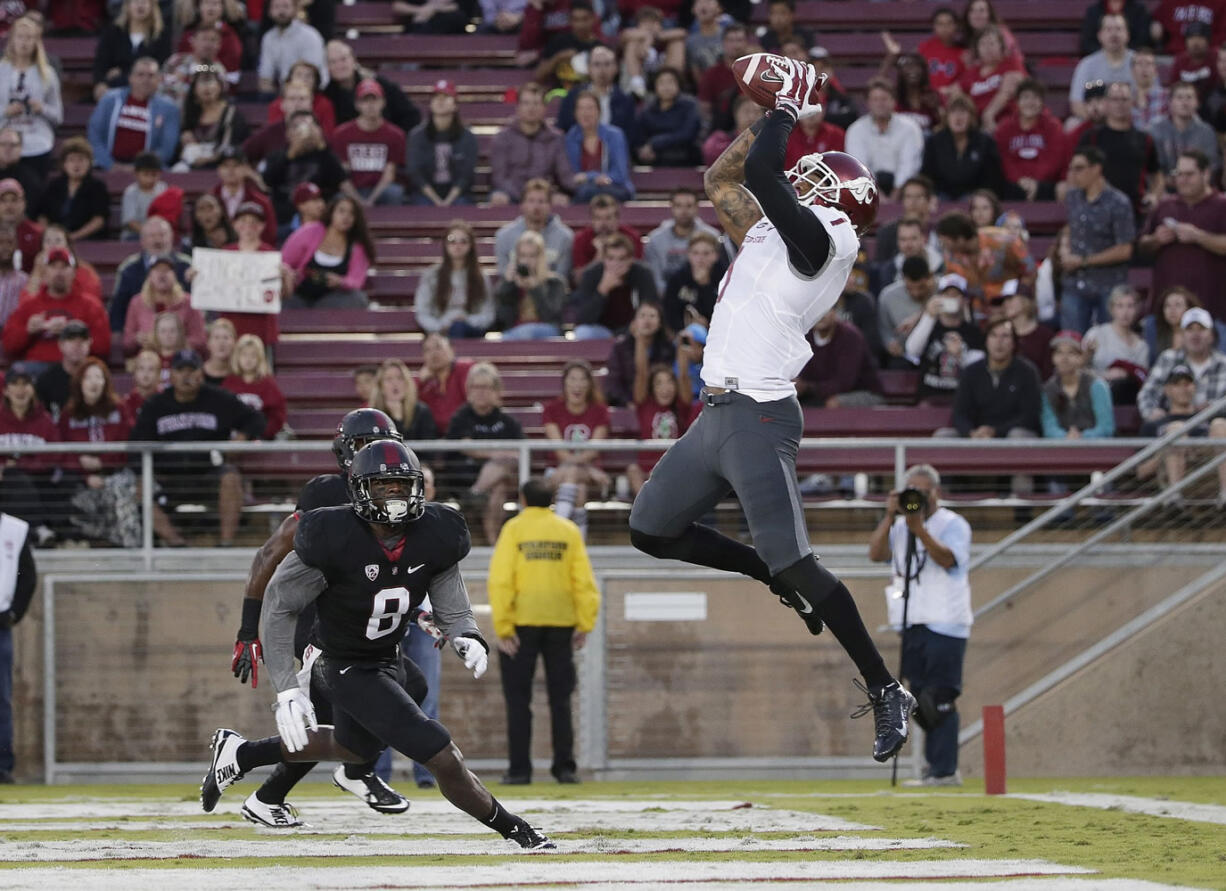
(530,300)
(943,341)
(929,600)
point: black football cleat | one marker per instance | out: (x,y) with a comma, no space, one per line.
(891,706)
(791,597)
(378,795)
(530,839)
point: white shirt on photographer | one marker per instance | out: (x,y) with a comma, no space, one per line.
(939,598)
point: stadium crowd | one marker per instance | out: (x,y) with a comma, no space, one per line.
(1018,340)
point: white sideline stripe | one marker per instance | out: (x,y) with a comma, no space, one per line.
(531,870)
(1134,804)
(25,851)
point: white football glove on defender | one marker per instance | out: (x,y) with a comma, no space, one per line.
(473,653)
(801,83)
(295,716)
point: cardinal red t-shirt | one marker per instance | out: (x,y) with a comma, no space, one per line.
(131,129)
(444,400)
(982,88)
(576,428)
(367,152)
(1175,15)
(1038,152)
(828,138)
(660,422)
(944,62)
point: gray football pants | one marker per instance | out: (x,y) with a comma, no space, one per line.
(738,445)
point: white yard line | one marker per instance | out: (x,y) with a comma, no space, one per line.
(1154,807)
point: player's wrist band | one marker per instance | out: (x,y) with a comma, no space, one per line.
(478,638)
(250,627)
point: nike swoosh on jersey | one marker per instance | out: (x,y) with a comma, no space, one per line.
(345,669)
(413,569)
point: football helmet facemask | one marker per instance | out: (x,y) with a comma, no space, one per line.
(385,461)
(840,181)
(359,428)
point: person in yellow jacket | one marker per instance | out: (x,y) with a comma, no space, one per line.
(544,601)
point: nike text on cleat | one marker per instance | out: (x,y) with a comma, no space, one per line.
(793,598)
(223,771)
(530,838)
(891,706)
(377,794)
(277,816)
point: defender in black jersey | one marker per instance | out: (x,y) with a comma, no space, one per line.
(367,567)
(267,805)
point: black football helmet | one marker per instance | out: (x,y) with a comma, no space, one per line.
(386,460)
(361,427)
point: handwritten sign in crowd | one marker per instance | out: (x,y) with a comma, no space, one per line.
(236,281)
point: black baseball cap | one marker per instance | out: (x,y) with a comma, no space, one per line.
(75,329)
(1198,29)
(1180,372)
(20,370)
(186,359)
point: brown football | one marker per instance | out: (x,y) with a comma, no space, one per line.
(757,79)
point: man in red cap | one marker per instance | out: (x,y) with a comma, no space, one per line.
(13,213)
(310,204)
(442,157)
(32,332)
(237,186)
(370,148)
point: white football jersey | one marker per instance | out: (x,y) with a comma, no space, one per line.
(758,341)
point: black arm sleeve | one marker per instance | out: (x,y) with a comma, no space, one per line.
(27,580)
(807,240)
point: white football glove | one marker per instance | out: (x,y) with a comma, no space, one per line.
(295,716)
(801,83)
(473,653)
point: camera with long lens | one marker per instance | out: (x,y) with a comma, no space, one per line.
(912,501)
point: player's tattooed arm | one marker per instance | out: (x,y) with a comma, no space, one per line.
(735,207)
(269,556)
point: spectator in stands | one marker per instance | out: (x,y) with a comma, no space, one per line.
(617,108)
(1031,337)
(139,194)
(295,98)
(137,32)
(453,296)
(219,358)
(744,113)
(289,40)
(1195,65)
(1179,398)
(1173,16)
(248,225)
(1032,146)
(985,256)
(12,279)
(344,76)
(14,166)
(557,66)
(916,96)
(668,245)
(85,281)
(30,97)
(1115,351)
(190,410)
(541,21)
(370,148)
(442,155)
(440,382)
(911,242)
(306,158)
(237,185)
(222,16)
(645,343)
(161,293)
(1131,159)
(212,124)
(169,337)
(435,16)
(1150,97)
(146,368)
(331,259)
(598,154)
(942,51)
(76,199)
(32,331)
(211,226)
(305,73)
(900,306)
(535,216)
(668,126)
(1215,103)
(501,16)
(364,383)
(943,341)
(156,240)
(717,88)
(180,68)
(1136,19)
(1161,329)
(984,208)
(528,149)
(134,119)
(992,79)
(663,411)
(978,17)
(13,214)
(28,488)
(1101,234)
(1186,235)
(647,46)
(579,414)
(780,25)
(1110,64)
(54,384)
(531,298)
(960,157)
(251,381)
(890,144)
(704,44)
(810,135)
(843,371)
(484,477)
(918,197)
(610,290)
(690,293)
(605,215)
(1183,130)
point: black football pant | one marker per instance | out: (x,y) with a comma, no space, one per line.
(554,646)
(372,708)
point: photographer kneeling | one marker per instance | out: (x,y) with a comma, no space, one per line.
(930,548)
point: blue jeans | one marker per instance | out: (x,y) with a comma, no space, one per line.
(419,647)
(420,198)
(592,332)
(393,194)
(932,667)
(6,700)
(461,330)
(1077,309)
(531,331)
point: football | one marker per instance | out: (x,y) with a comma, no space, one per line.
(757,79)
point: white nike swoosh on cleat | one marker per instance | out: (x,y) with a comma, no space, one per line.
(805,607)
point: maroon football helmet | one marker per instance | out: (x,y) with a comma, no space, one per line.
(840,181)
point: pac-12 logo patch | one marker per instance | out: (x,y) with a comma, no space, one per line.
(372,571)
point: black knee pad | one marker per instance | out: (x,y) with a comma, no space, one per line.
(936,706)
(810,578)
(655,545)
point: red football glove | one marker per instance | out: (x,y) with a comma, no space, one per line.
(801,85)
(247,656)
